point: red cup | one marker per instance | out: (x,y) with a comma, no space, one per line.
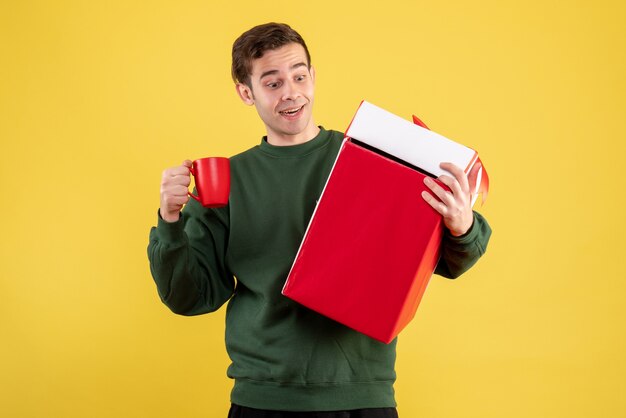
(212,178)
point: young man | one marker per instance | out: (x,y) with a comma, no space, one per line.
(287,361)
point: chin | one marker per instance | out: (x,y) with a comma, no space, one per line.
(295,128)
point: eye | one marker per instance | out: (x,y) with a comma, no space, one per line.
(273,84)
(300,77)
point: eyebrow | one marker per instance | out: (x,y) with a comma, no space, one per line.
(293,67)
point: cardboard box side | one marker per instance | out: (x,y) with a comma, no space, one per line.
(343,273)
(422,278)
(306,232)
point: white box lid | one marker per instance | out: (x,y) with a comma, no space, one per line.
(407,141)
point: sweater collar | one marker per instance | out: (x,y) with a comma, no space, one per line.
(296,150)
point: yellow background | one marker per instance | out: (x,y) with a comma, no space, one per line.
(97,98)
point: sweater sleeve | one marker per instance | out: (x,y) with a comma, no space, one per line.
(458,254)
(187,260)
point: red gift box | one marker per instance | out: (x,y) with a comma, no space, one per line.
(372,243)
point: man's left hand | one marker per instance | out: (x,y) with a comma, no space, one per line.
(455,205)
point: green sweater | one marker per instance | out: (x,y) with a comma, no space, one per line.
(284,356)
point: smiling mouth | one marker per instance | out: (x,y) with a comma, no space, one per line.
(291,112)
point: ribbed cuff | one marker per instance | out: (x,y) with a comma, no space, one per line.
(468,237)
(170,231)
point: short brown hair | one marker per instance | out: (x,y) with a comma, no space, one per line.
(253,43)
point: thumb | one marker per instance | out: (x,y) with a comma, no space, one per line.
(473,177)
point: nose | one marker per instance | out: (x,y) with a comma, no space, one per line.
(290,90)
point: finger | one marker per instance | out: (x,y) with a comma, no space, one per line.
(177,201)
(443,195)
(176,180)
(180,180)
(434,203)
(173,193)
(181,170)
(182,199)
(472,178)
(176,190)
(168,202)
(187,163)
(452,183)
(458,174)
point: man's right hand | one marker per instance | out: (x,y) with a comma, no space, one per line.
(174,191)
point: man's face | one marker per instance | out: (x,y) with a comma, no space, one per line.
(281,88)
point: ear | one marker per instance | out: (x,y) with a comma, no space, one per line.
(245,93)
(312,71)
